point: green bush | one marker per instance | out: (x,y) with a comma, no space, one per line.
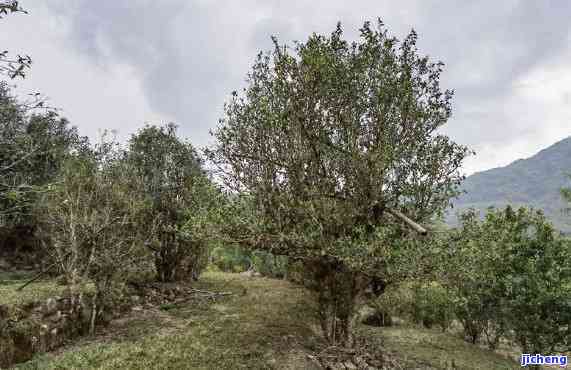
(234,259)
(511,274)
(268,264)
(428,304)
(432,305)
(230,259)
(395,301)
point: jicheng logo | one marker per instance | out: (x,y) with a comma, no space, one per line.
(556,360)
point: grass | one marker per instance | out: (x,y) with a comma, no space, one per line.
(39,290)
(426,348)
(259,327)
(264,324)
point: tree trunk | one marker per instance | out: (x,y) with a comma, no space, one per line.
(166,264)
(339,291)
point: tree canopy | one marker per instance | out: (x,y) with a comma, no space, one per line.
(329,135)
(332,145)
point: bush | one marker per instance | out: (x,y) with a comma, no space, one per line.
(432,305)
(230,259)
(269,265)
(178,197)
(235,259)
(395,301)
(424,303)
(512,277)
(89,221)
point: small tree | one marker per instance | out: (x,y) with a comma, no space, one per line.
(511,273)
(538,283)
(89,221)
(332,142)
(33,147)
(177,187)
(472,276)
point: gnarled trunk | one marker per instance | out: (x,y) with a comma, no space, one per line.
(339,291)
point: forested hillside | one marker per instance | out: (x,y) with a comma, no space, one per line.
(534,181)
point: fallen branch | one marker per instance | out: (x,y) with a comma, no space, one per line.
(40,274)
(211,293)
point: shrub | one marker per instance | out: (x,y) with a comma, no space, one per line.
(235,259)
(178,195)
(395,301)
(89,222)
(512,276)
(432,304)
(230,259)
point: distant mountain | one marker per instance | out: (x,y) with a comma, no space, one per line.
(535,182)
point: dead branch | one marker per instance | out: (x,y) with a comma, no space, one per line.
(211,293)
(421,230)
(40,274)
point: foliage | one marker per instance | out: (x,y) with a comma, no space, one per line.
(511,274)
(179,193)
(12,66)
(326,140)
(90,220)
(396,301)
(230,259)
(427,303)
(236,259)
(269,264)
(34,146)
(432,305)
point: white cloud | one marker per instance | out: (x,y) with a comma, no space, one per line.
(116,64)
(92,96)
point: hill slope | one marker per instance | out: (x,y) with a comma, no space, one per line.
(534,181)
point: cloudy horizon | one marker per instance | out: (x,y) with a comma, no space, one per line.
(116,65)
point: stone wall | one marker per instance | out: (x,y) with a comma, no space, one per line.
(41,326)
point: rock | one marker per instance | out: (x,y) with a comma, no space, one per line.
(55,318)
(38,310)
(4,312)
(336,366)
(44,329)
(350,365)
(251,273)
(50,307)
(136,308)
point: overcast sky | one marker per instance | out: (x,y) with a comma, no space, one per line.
(116,64)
